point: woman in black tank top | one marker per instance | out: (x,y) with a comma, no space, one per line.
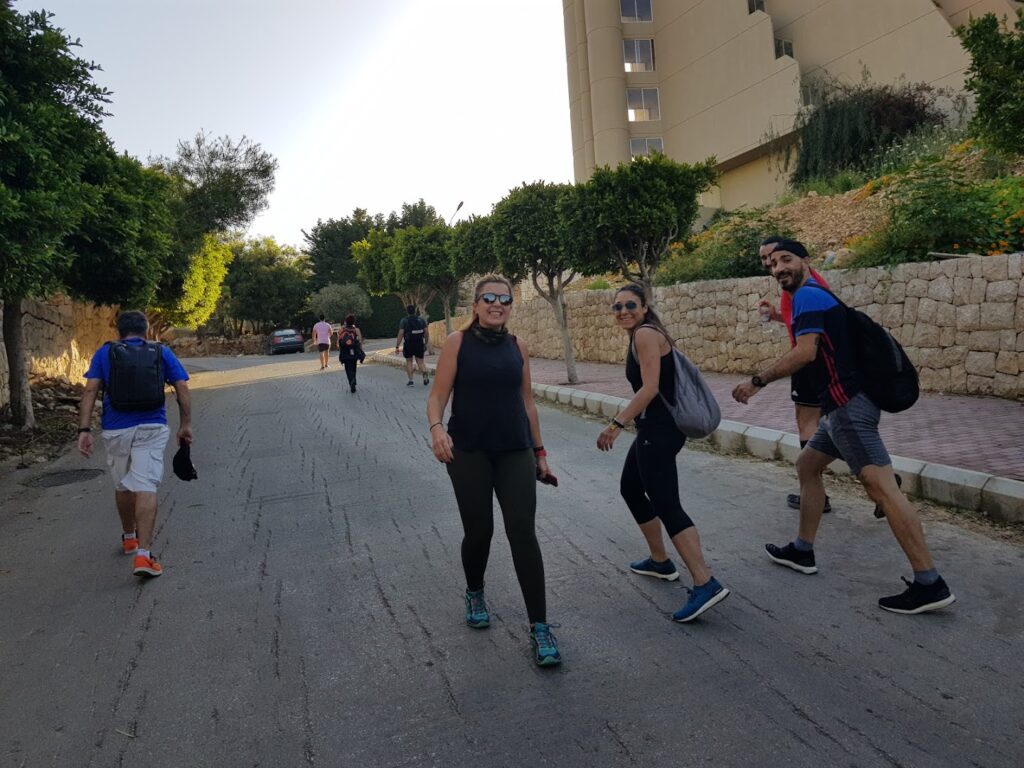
(650,482)
(492,447)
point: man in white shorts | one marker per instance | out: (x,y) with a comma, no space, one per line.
(132,373)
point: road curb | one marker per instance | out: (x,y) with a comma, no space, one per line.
(1000,498)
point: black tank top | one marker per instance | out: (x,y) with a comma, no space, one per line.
(488,413)
(656,412)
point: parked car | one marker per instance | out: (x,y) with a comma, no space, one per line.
(285,340)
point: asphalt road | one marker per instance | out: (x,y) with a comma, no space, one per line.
(310,612)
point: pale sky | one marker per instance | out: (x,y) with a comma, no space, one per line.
(367,103)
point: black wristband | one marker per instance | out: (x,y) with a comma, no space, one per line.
(84,429)
(618,423)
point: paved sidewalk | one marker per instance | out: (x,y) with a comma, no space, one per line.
(984,434)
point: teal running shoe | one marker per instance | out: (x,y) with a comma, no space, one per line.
(545,645)
(701,598)
(477,615)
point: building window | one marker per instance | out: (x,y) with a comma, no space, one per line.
(636,10)
(638,55)
(755,5)
(644,147)
(811,96)
(642,104)
(783,48)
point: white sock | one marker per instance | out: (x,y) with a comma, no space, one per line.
(143,552)
(128,536)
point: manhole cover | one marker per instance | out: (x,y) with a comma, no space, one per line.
(53,479)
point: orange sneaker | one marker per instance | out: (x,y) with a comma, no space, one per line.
(146,566)
(130,546)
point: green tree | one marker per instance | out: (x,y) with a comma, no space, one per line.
(335,301)
(531,242)
(996,78)
(200,286)
(119,248)
(268,283)
(49,129)
(220,185)
(329,245)
(471,247)
(624,219)
(423,267)
(376,265)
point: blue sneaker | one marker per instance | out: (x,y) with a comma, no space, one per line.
(545,646)
(701,598)
(477,615)
(666,570)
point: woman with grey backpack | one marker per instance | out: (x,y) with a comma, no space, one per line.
(650,482)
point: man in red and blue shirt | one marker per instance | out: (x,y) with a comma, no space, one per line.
(135,442)
(848,430)
(805,384)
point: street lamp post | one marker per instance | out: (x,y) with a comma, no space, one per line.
(457,209)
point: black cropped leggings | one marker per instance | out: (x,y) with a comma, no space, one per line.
(477,476)
(650,482)
(350,371)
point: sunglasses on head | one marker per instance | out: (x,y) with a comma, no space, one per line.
(504,299)
(618,306)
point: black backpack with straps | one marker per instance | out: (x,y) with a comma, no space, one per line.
(885,373)
(136,381)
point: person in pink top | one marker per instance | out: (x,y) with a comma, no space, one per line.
(806,385)
(322,336)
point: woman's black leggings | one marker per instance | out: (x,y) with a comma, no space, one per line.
(650,483)
(350,371)
(477,476)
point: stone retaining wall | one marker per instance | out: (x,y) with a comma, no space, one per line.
(60,338)
(960,320)
(210,346)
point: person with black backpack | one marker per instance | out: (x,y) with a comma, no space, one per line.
(132,373)
(650,480)
(864,371)
(350,349)
(413,338)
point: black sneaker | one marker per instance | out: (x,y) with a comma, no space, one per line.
(879,513)
(791,557)
(408,383)
(919,598)
(426,380)
(352,387)
(793,501)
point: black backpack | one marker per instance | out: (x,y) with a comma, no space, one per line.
(136,380)
(886,374)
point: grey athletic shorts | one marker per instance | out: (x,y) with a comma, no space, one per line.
(850,433)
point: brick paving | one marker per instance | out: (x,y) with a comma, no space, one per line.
(985,434)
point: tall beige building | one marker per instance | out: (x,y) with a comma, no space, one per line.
(701,78)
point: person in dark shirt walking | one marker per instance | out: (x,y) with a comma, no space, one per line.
(848,430)
(493,447)
(350,349)
(650,481)
(413,339)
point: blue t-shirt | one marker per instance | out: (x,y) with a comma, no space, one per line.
(816,311)
(99,368)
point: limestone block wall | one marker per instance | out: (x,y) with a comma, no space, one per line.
(60,338)
(960,320)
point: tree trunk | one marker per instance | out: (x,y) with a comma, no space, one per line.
(557,303)
(22,414)
(448,313)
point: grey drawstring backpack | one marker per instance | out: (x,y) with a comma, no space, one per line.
(695,411)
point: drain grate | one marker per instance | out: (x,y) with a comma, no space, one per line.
(53,479)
